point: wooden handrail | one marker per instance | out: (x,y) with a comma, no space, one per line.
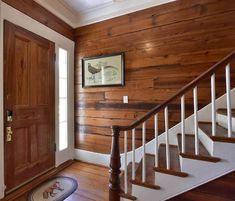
(115,163)
(181,92)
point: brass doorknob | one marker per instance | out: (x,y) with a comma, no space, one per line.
(9,134)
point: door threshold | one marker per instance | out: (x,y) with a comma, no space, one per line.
(26,187)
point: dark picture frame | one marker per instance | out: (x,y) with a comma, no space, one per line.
(103,70)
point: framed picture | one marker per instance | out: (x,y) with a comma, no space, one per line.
(105,70)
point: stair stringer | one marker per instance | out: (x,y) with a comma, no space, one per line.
(222,121)
(200,172)
(172,185)
(203,115)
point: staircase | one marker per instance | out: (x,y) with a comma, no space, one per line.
(197,150)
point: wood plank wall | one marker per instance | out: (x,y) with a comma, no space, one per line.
(39,13)
(165,48)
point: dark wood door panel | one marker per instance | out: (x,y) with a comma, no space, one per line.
(29,95)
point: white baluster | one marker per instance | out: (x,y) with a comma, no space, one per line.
(213,107)
(144,158)
(167,139)
(196,121)
(183,123)
(133,154)
(156,139)
(228,93)
(125,170)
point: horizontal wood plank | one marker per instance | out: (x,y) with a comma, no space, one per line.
(39,13)
(165,48)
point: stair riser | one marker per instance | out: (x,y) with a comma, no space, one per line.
(199,171)
(171,182)
(222,121)
(225,151)
(206,141)
(124,199)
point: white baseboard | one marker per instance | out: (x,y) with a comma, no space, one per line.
(92,157)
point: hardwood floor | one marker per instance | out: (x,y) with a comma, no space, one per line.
(92,182)
(93,186)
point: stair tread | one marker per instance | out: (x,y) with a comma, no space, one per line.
(150,174)
(224,112)
(174,158)
(221,132)
(128,196)
(190,145)
(129,175)
(145,184)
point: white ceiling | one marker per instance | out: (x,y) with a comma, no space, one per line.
(83,5)
(78,13)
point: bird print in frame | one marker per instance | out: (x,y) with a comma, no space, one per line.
(105,70)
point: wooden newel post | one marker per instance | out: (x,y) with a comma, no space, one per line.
(115,165)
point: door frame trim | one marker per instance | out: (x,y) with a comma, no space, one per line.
(16,17)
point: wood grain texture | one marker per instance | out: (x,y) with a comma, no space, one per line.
(190,149)
(129,176)
(150,174)
(21,193)
(174,161)
(39,13)
(29,92)
(93,185)
(221,132)
(224,112)
(165,48)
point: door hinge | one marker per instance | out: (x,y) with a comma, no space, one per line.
(55,57)
(55,147)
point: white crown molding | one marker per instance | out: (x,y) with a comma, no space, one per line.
(116,9)
(99,13)
(61,10)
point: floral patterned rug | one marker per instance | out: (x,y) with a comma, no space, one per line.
(55,189)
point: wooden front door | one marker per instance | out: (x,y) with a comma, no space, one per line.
(29,105)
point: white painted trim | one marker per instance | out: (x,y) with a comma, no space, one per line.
(172,186)
(2,187)
(117,9)
(18,18)
(99,13)
(67,154)
(223,121)
(92,157)
(59,9)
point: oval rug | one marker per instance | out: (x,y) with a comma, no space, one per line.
(55,189)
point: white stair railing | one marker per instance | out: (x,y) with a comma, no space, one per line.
(183,123)
(196,120)
(156,138)
(125,168)
(181,94)
(228,93)
(167,139)
(133,154)
(144,150)
(213,106)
